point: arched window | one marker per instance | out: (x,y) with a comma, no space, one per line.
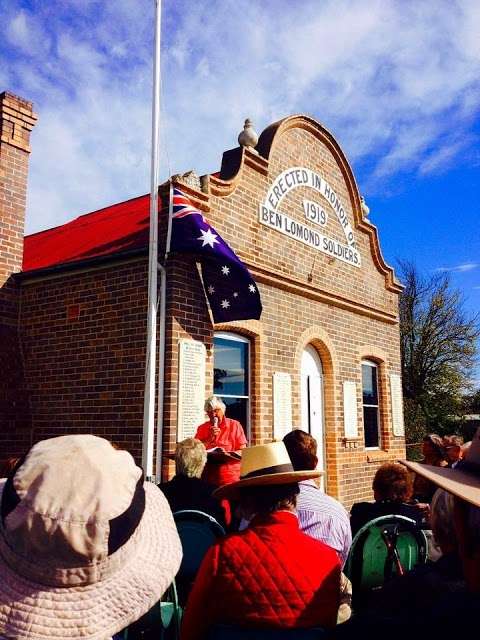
(371,413)
(231,375)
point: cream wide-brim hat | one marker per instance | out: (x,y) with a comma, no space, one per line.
(130,580)
(462,481)
(263,465)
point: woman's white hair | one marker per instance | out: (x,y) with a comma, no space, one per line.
(212,403)
(190,458)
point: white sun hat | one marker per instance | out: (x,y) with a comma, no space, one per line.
(463,480)
(86,547)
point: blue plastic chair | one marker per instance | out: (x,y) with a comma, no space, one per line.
(382,548)
(198,531)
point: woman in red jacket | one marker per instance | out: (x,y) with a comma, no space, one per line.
(224,433)
(270,575)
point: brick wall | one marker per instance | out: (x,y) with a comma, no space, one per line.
(84,340)
(16,122)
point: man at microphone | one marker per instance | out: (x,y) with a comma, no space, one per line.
(222,433)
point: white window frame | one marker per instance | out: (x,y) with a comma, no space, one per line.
(236,337)
(373,365)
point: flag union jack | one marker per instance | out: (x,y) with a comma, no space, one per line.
(183,207)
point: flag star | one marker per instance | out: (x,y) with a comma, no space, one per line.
(235,294)
(225,270)
(211,289)
(251,288)
(225,304)
(208,237)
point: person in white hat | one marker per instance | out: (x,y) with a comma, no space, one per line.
(86,546)
(271,575)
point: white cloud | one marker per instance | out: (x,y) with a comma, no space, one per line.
(459,268)
(395,82)
(17,31)
(27,34)
(442,157)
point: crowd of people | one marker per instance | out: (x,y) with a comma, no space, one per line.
(87,547)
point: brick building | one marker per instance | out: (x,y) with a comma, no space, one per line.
(324,356)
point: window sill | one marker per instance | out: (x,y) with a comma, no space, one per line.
(378,456)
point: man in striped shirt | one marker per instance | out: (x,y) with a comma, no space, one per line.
(319,515)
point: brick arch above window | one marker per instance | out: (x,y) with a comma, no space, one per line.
(248,328)
(318,338)
(373,353)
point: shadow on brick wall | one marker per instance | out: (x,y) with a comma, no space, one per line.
(15,410)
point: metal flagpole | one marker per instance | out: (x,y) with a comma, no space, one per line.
(149,400)
(161,350)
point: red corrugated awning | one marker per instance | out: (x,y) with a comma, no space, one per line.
(116,229)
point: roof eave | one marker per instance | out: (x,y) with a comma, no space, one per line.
(88,263)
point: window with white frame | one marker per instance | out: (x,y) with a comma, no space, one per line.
(371,413)
(231,375)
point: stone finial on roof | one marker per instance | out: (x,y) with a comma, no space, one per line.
(189,178)
(248,138)
(364,206)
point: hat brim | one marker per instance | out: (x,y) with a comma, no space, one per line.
(462,484)
(32,611)
(232,491)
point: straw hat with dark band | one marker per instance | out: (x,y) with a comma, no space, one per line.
(265,464)
(463,480)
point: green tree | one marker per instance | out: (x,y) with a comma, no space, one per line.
(472,402)
(438,346)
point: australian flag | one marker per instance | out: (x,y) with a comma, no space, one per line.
(230,289)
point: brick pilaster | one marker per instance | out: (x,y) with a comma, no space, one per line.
(16,122)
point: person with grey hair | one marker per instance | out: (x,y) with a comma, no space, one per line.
(224,435)
(425,584)
(186,490)
(190,458)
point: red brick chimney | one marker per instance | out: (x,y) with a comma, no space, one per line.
(16,121)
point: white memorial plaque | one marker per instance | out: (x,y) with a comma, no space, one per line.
(282,404)
(350,420)
(191,387)
(397,404)
(270,214)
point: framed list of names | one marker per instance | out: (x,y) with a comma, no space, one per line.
(191,387)
(282,404)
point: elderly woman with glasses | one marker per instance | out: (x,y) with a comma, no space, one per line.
(220,433)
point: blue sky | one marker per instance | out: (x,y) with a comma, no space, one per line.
(397,83)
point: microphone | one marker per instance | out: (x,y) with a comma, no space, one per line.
(214,426)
